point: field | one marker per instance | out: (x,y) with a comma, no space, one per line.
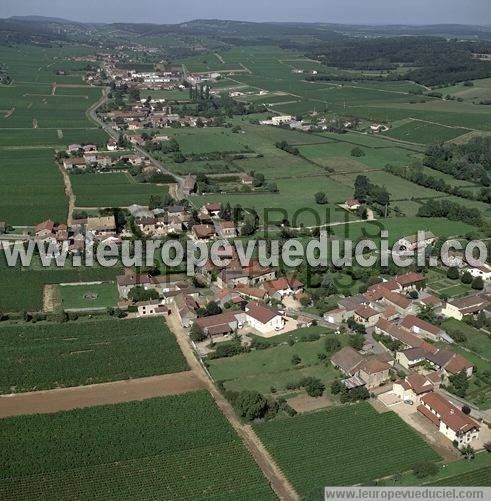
(32,187)
(343,446)
(420,131)
(112,190)
(41,111)
(47,355)
(463,472)
(83,296)
(263,369)
(128,451)
(21,289)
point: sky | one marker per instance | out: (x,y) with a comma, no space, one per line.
(333,11)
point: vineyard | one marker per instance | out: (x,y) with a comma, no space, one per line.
(478,478)
(50,355)
(343,446)
(178,447)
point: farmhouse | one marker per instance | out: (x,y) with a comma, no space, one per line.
(189,185)
(450,420)
(226,229)
(413,387)
(450,363)
(222,324)
(101,227)
(74,162)
(281,119)
(371,370)
(352,204)
(152,308)
(397,333)
(422,328)
(366,315)
(203,231)
(127,282)
(283,287)
(470,305)
(263,318)
(413,243)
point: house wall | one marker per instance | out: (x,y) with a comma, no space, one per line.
(374,380)
(451,311)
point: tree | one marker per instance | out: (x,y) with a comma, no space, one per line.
(336,387)
(196,334)
(314,387)
(424,469)
(272,187)
(332,344)
(453,273)
(138,294)
(466,278)
(296,359)
(478,284)
(459,384)
(357,152)
(356,341)
(251,405)
(320,198)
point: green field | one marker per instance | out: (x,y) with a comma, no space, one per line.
(99,295)
(112,190)
(417,131)
(173,448)
(272,367)
(21,289)
(31,188)
(48,355)
(343,446)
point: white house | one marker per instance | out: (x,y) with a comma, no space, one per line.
(263,318)
(281,119)
(450,420)
(481,271)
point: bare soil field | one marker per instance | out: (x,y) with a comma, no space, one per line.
(45,402)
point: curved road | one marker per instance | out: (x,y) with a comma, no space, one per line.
(92,114)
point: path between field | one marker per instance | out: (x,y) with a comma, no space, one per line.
(50,297)
(278,482)
(69,193)
(62,399)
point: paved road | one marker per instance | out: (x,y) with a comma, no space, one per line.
(92,113)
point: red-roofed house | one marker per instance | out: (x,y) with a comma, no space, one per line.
(422,328)
(450,420)
(413,387)
(263,318)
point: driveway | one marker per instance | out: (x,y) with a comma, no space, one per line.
(422,425)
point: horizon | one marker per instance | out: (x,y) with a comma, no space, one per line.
(352,12)
(34,17)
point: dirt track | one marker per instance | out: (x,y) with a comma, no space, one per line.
(98,394)
(279,483)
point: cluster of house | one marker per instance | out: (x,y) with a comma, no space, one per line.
(160,222)
(177,296)
(153,80)
(82,157)
(92,229)
(152,114)
(387,311)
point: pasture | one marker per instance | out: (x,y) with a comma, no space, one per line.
(88,296)
(262,370)
(50,355)
(346,445)
(159,447)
